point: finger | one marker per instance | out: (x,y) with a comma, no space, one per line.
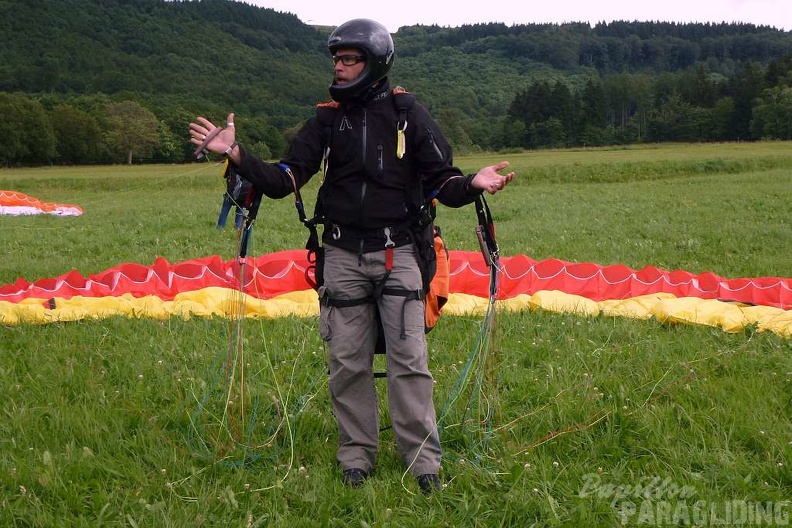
(206,123)
(199,152)
(197,131)
(500,166)
(230,120)
(197,135)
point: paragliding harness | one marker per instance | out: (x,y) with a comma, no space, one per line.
(426,237)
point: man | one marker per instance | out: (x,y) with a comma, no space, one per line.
(382,163)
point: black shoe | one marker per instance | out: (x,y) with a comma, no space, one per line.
(354,477)
(429,483)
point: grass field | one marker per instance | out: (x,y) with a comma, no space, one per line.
(600,421)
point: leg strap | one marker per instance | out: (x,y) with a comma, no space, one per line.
(344,303)
(409,295)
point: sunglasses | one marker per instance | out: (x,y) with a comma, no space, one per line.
(348,60)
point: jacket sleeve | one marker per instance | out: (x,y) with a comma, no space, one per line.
(304,159)
(435,163)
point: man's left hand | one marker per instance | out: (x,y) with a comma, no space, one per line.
(489,178)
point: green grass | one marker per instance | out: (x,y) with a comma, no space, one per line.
(100,428)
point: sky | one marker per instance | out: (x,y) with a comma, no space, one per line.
(394,14)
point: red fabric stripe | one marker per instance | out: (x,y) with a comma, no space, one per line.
(274,274)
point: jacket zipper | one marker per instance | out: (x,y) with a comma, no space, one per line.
(434,144)
(362,198)
(365,138)
(365,146)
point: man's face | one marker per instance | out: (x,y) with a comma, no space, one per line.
(349,63)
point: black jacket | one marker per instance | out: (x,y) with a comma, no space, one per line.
(367,187)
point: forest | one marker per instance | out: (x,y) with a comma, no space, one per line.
(117,81)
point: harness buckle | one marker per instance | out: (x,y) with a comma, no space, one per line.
(335,232)
(388,242)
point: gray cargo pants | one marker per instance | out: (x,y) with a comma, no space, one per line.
(351,332)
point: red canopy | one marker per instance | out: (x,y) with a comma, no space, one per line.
(274,274)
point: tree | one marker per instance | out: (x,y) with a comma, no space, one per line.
(451,120)
(256,130)
(772,116)
(548,133)
(744,89)
(133,129)
(779,71)
(77,132)
(514,133)
(593,107)
(563,106)
(676,120)
(629,101)
(618,95)
(532,105)
(721,113)
(26,134)
(169,148)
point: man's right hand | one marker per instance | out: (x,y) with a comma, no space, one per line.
(221,141)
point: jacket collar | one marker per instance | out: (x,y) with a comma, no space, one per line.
(379,92)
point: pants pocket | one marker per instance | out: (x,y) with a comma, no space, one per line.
(325,315)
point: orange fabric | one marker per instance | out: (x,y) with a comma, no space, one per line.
(328,104)
(440,285)
(17,203)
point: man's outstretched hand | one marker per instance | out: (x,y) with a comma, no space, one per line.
(488,179)
(209,138)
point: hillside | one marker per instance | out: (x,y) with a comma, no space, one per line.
(181,57)
(222,51)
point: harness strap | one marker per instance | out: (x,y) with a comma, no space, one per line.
(312,245)
(409,295)
(404,101)
(485,231)
(346,303)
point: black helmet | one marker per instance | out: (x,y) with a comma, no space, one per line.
(375,42)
